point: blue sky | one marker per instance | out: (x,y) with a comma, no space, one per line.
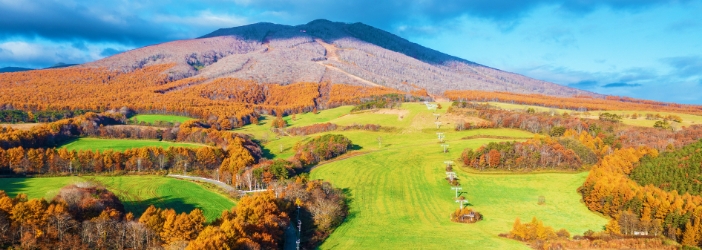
(648,49)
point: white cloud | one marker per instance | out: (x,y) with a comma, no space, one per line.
(203,19)
(40,54)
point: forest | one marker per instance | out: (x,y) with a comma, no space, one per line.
(87,216)
(679,170)
(535,154)
(643,192)
(223,103)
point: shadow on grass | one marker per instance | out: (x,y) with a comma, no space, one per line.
(12,186)
(177,204)
(356,147)
(266,153)
(66,141)
(348,199)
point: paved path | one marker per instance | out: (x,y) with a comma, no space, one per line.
(215,182)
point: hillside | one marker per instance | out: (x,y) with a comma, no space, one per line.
(325,51)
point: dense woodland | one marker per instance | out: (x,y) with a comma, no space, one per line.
(20,116)
(540,236)
(679,170)
(535,154)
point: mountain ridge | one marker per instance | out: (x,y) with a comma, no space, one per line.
(326,51)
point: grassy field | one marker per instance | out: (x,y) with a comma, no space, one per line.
(121,144)
(163,118)
(135,192)
(399,198)
(641,121)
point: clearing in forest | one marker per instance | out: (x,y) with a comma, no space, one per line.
(399,198)
(135,192)
(121,144)
(640,120)
(163,118)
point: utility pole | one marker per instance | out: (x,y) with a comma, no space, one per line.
(445,146)
(281,148)
(299,223)
(457,188)
(185,169)
(380,141)
(139,165)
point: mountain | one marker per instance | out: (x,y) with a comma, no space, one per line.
(13,69)
(61,65)
(322,50)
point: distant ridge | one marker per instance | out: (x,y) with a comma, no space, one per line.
(61,65)
(325,51)
(13,69)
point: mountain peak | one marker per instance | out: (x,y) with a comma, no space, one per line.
(326,51)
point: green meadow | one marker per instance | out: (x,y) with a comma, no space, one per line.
(640,121)
(399,198)
(121,144)
(135,192)
(163,118)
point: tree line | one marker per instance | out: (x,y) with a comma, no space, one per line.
(540,236)
(88,217)
(615,135)
(578,103)
(637,209)
(541,153)
(672,170)
(224,103)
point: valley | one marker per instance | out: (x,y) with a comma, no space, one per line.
(332,135)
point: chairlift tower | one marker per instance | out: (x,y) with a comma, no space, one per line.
(445,146)
(457,188)
(441,136)
(438,124)
(448,163)
(451,175)
(461,202)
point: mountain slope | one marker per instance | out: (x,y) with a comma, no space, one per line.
(322,50)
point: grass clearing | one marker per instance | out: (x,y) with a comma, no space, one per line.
(641,121)
(121,144)
(19,126)
(163,118)
(400,200)
(135,192)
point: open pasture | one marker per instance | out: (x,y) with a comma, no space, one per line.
(121,144)
(640,121)
(399,198)
(135,192)
(19,126)
(162,118)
